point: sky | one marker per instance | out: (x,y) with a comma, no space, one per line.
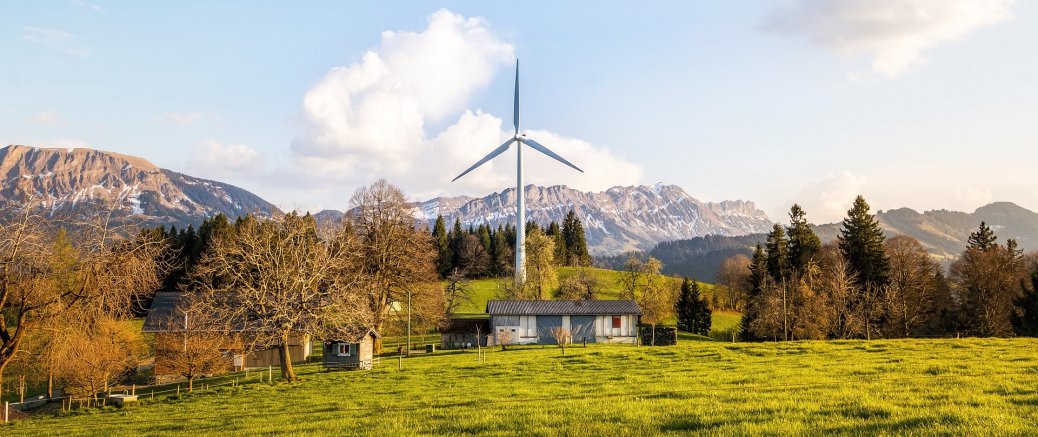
(927,104)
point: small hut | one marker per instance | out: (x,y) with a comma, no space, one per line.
(350,351)
(462,333)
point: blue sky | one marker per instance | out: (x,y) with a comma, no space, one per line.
(918,103)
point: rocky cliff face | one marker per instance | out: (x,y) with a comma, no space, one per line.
(616,220)
(77,183)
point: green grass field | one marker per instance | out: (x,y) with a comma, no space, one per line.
(922,387)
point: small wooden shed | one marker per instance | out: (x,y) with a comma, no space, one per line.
(351,351)
(461,333)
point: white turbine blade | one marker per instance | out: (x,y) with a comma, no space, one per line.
(545,151)
(501,149)
(515,109)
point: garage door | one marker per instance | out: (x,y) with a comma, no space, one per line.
(583,328)
(544,327)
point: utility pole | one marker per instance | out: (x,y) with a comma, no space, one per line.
(785,323)
(409,321)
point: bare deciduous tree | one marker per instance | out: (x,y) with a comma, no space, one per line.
(643,283)
(734,281)
(278,278)
(986,283)
(562,337)
(46,275)
(837,283)
(395,256)
(583,285)
(195,345)
(913,287)
(457,291)
(540,265)
(504,339)
(97,355)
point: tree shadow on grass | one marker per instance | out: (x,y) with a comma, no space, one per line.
(688,423)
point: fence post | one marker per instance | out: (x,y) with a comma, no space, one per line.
(133,390)
(7,411)
(178,389)
(270,373)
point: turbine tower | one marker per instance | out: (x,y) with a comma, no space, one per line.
(520,202)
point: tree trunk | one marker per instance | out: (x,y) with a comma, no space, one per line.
(654,334)
(50,383)
(190,384)
(286,360)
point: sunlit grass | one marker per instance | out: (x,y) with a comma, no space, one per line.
(952,386)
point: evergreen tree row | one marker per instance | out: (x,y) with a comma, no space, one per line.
(490,252)
(868,286)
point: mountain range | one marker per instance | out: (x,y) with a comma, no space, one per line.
(77,182)
(616,220)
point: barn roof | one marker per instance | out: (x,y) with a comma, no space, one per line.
(466,326)
(161,310)
(562,307)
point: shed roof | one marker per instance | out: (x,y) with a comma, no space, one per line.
(161,310)
(466,326)
(562,307)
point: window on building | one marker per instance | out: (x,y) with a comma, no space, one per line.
(344,350)
(616,322)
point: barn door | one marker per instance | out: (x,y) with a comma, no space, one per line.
(582,328)
(544,327)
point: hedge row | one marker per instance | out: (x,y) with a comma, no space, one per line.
(665,335)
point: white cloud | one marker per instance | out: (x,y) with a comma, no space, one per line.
(894,33)
(971,198)
(180,118)
(827,200)
(212,159)
(88,5)
(369,119)
(49,118)
(56,39)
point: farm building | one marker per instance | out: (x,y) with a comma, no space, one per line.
(593,321)
(352,351)
(163,321)
(462,333)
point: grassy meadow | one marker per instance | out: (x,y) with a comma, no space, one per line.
(922,387)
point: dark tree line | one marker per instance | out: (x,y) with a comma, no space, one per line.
(868,286)
(483,251)
(693,311)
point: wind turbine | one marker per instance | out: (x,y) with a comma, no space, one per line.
(520,203)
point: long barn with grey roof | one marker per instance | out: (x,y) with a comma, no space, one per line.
(593,321)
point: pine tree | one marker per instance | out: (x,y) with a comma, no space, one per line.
(503,253)
(484,237)
(804,244)
(778,253)
(455,236)
(576,242)
(861,243)
(758,279)
(983,239)
(692,310)
(1025,320)
(444,254)
(555,233)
